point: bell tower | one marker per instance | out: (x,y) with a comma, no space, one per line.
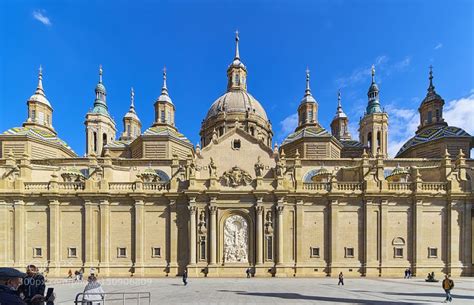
(100,126)
(373,126)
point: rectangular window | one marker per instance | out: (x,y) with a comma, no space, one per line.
(72,252)
(163,116)
(269,248)
(398,252)
(349,252)
(430,117)
(432,252)
(121,252)
(41,117)
(314,252)
(33,114)
(156,252)
(37,252)
(168,116)
(310,115)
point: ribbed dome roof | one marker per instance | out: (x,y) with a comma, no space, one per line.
(236,101)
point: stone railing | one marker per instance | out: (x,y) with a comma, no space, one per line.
(433,186)
(349,186)
(36,186)
(156,186)
(316,186)
(122,186)
(399,186)
(71,186)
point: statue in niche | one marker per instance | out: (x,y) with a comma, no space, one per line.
(268,223)
(202,223)
(192,168)
(212,169)
(259,167)
(235,240)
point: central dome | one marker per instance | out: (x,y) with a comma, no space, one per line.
(237,101)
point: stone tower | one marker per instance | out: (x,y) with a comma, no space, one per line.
(164,107)
(100,126)
(340,122)
(132,127)
(308,108)
(373,127)
(40,112)
(431,109)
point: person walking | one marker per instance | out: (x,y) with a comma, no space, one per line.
(341,279)
(93,292)
(69,274)
(409,273)
(406,274)
(248,272)
(10,281)
(185,277)
(448,284)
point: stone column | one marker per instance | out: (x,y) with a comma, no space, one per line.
(259,234)
(139,236)
(89,229)
(417,255)
(5,232)
(468,242)
(371,242)
(19,229)
(104,237)
(192,235)
(173,238)
(374,142)
(333,210)
(383,247)
(213,234)
(280,258)
(54,250)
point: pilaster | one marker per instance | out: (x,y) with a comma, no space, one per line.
(139,209)
(213,231)
(192,232)
(89,228)
(417,236)
(54,250)
(104,237)
(19,233)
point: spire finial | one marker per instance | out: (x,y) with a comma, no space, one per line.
(164,89)
(237,55)
(339,106)
(100,74)
(431,87)
(373,73)
(308,89)
(40,78)
(132,98)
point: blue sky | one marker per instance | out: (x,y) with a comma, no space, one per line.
(337,40)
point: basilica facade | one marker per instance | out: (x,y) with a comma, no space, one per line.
(149,203)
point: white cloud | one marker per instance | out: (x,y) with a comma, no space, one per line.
(460,113)
(288,125)
(404,121)
(438,46)
(41,17)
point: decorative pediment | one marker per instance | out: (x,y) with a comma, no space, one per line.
(236,177)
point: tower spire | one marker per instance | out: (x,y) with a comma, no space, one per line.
(308,89)
(39,89)
(132,100)
(339,105)
(164,89)
(237,55)
(431,87)
(373,74)
(100,74)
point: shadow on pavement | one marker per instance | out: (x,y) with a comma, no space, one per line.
(297,296)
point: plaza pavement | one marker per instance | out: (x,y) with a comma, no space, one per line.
(216,291)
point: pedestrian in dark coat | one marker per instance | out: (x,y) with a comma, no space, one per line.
(341,279)
(33,286)
(185,277)
(248,272)
(10,280)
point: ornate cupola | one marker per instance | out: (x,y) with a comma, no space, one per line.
(164,107)
(131,123)
(431,109)
(373,95)
(236,72)
(340,122)
(308,108)
(100,126)
(373,127)
(40,112)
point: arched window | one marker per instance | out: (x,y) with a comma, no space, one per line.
(430,117)
(104,140)
(379,139)
(252,131)
(369,140)
(437,115)
(94,135)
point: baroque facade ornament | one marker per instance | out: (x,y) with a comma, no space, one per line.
(235,240)
(236,177)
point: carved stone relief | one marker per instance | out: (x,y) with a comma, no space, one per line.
(235,240)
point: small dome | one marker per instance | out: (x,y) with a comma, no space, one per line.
(237,101)
(132,115)
(100,88)
(308,99)
(373,87)
(237,64)
(40,98)
(164,98)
